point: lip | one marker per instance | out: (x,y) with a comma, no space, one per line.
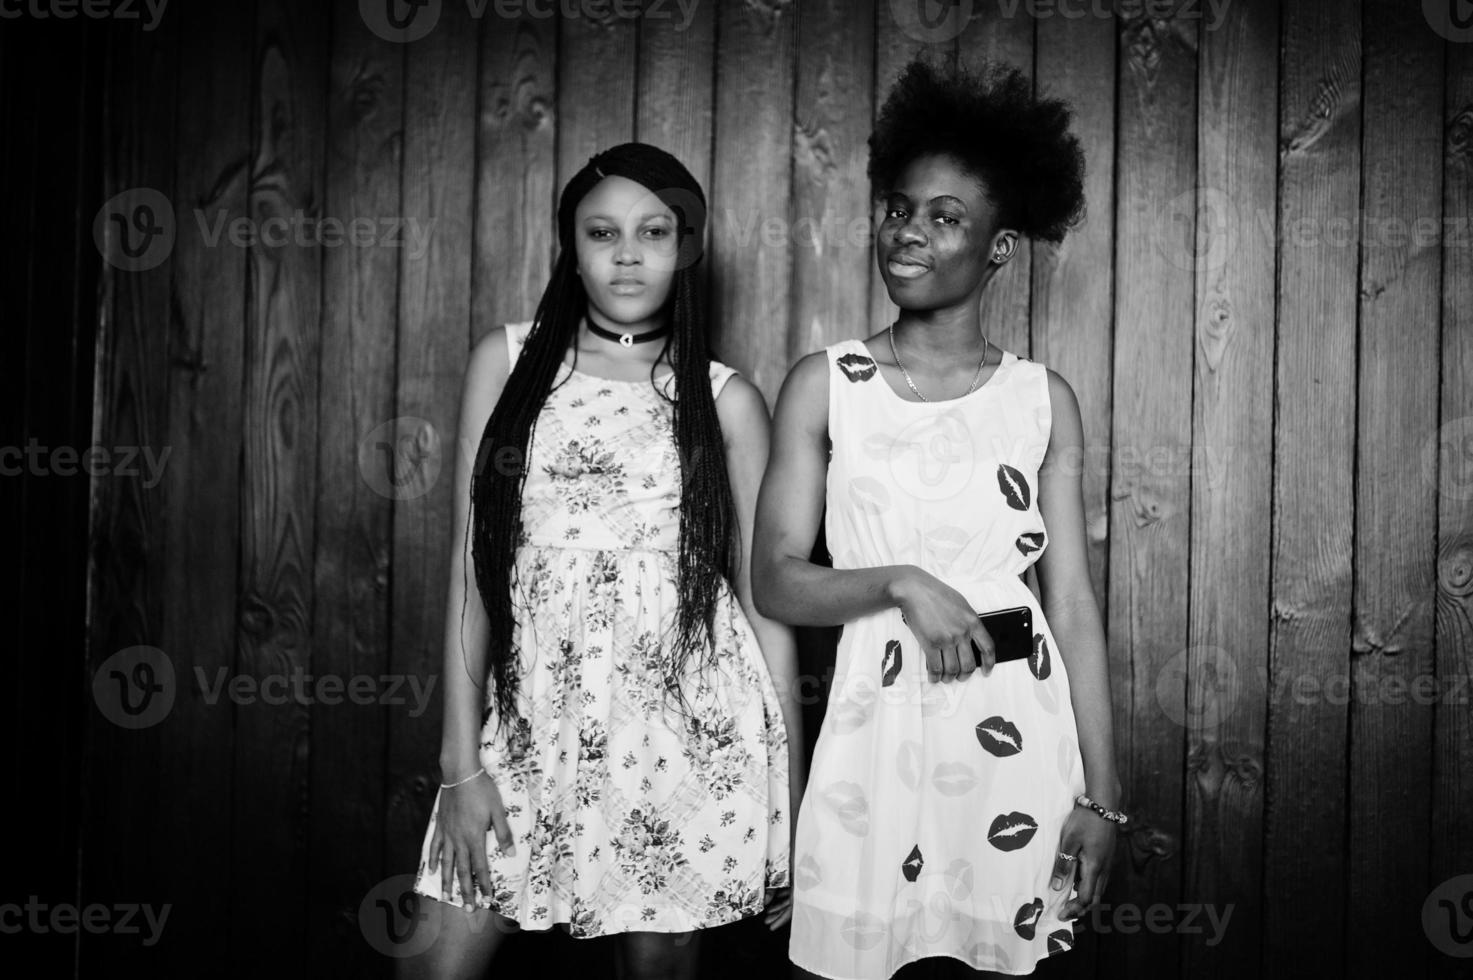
(906,266)
(625,286)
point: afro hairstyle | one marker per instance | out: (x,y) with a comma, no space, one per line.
(989,120)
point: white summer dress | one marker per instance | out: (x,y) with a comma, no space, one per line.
(627,814)
(933,811)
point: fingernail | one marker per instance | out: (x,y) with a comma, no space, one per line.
(1056,884)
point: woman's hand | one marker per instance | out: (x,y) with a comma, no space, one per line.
(458,846)
(944,623)
(1091,839)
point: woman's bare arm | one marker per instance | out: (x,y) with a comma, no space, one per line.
(1068,597)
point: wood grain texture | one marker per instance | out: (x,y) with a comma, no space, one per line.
(1395,510)
(516,199)
(356,471)
(832,249)
(1230,473)
(434,331)
(1150,515)
(1452,749)
(278,483)
(596,82)
(1304,872)
(751,228)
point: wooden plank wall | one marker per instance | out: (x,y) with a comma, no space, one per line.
(1276,384)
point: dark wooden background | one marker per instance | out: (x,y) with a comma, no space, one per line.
(1206,312)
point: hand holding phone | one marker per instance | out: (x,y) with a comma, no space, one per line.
(1011,631)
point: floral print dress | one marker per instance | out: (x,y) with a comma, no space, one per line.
(629,812)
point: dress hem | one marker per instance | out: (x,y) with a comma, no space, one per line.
(931,956)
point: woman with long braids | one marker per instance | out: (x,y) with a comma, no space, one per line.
(614,752)
(963,792)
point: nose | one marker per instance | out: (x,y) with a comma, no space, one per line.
(627,253)
(910,232)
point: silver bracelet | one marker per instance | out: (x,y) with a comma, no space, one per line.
(1118,816)
(465,780)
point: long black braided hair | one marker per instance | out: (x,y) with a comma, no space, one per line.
(707,523)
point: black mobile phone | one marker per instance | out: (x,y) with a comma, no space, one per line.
(1011,631)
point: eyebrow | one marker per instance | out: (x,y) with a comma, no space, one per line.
(647,216)
(939,198)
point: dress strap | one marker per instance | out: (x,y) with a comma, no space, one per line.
(516,338)
(720,375)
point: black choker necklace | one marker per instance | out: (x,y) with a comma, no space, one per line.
(628,339)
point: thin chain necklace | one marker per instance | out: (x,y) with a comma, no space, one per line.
(906,374)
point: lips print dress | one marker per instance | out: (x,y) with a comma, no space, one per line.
(933,811)
(627,812)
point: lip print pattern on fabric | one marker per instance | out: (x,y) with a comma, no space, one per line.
(807,874)
(849,805)
(908,763)
(991,953)
(1014,486)
(911,866)
(862,931)
(857,367)
(1010,831)
(890,664)
(848,716)
(1038,661)
(1026,921)
(1000,736)
(953,778)
(1060,941)
(958,877)
(1030,541)
(869,495)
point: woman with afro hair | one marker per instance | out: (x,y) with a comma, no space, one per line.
(962,798)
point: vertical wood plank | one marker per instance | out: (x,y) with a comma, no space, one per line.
(1452,759)
(1072,297)
(1395,513)
(279,484)
(516,199)
(997,35)
(830,230)
(357,476)
(1304,883)
(751,176)
(433,332)
(596,87)
(1147,631)
(1229,468)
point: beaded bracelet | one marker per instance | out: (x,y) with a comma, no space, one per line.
(1118,816)
(465,780)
